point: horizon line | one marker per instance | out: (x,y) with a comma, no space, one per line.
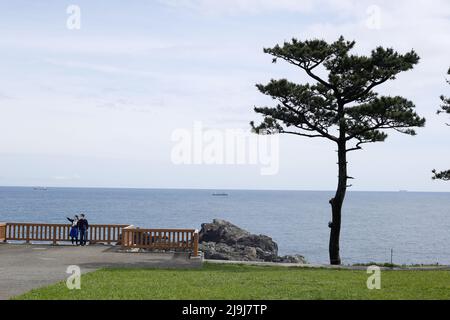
(212,189)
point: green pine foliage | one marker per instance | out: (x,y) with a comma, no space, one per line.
(445,108)
(344,99)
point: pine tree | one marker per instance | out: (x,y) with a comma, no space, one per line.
(341,106)
(445,108)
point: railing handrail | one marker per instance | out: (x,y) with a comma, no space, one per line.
(62,224)
(160,230)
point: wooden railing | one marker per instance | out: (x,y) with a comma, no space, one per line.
(99,233)
(2,232)
(19,231)
(163,239)
(127,236)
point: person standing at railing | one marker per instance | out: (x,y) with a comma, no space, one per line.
(83,226)
(74,229)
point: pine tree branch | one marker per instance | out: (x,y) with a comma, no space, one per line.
(309,124)
(303,134)
(308,69)
(444,175)
(358,145)
(367,90)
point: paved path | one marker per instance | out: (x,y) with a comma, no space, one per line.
(25,267)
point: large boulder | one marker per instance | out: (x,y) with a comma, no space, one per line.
(222,251)
(221,231)
(222,240)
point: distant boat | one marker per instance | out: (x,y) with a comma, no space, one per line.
(220,194)
(40,188)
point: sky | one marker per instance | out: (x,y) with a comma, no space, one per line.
(99,106)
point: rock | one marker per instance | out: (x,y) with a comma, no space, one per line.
(222,240)
(265,243)
(221,231)
(222,251)
(292,259)
(250,253)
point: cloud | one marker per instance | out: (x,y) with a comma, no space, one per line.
(234,7)
(67,178)
(101,68)
(5,96)
(118,91)
(356,8)
(87,45)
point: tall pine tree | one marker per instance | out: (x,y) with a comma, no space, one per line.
(445,108)
(340,105)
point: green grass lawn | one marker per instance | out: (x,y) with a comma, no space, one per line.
(215,281)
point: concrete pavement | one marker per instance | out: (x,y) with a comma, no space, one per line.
(24,267)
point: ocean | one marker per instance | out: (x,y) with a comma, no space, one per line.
(416,226)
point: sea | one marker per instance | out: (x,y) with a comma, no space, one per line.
(402,227)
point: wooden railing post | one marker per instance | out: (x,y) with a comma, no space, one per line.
(27,233)
(126,236)
(3,232)
(195,239)
(53,231)
(108,237)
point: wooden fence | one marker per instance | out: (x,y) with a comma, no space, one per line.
(2,232)
(19,231)
(163,239)
(127,236)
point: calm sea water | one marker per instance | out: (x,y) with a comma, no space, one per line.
(415,225)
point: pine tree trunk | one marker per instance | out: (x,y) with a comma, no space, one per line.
(336,205)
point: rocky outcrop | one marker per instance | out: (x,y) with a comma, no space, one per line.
(222,240)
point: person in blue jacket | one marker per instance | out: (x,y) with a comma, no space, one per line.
(74,229)
(83,227)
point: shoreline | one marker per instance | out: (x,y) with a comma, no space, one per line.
(327,266)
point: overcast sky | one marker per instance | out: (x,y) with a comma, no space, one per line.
(97,106)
